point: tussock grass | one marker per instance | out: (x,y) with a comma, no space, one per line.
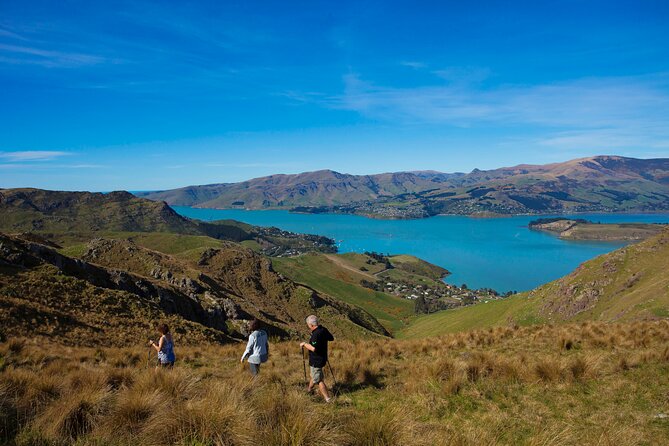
(590,383)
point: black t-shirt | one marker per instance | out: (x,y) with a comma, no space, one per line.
(319,340)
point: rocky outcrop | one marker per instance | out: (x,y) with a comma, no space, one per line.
(20,253)
(222,289)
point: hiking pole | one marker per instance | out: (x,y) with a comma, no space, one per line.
(304,366)
(333,378)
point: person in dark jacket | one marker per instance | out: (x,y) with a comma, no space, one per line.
(318,354)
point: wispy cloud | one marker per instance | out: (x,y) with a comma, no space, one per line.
(248,165)
(34,166)
(413,64)
(83,166)
(10,34)
(38,56)
(32,155)
(579,103)
(463,75)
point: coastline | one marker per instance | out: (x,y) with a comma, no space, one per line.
(482,215)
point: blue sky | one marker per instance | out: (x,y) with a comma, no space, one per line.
(145,95)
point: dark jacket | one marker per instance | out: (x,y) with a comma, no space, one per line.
(319,340)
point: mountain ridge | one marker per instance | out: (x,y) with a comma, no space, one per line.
(603,183)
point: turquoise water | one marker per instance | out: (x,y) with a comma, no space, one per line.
(500,253)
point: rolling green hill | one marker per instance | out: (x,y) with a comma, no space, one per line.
(628,284)
(340,276)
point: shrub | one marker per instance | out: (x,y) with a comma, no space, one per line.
(380,428)
(214,416)
(73,415)
(548,369)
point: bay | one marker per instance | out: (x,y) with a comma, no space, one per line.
(499,253)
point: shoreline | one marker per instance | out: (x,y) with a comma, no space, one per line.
(473,216)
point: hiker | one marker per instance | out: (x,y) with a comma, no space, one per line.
(318,354)
(257,349)
(165,347)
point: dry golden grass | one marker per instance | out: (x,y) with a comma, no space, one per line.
(589,383)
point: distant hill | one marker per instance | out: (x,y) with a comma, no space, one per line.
(628,284)
(83,214)
(580,229)
(600,183)
(320,188)
(115,290)
(44,210)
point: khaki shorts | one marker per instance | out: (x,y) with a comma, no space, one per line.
(316,374)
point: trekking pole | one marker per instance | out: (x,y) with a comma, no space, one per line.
(148,358)
(304,366)
(333,379)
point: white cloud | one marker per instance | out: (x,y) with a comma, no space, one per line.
(596,113)
(32,155)
(413,64)
(32,55)
(579,103)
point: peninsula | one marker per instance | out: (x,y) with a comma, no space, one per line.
(580,229)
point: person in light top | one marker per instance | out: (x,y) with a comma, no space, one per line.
(257,349)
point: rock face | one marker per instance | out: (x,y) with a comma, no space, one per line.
(576,298)
(43,293)
(557,225)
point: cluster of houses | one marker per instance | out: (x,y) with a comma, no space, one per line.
(413,291)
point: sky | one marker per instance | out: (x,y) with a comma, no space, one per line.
(144,95)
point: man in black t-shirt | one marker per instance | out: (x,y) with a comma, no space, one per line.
(318,354)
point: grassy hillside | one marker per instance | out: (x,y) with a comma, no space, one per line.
(630,283)
(211,285)
(579,384)
(340,276)
(419,267)
(505,312)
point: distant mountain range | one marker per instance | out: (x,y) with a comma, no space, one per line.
(600,183)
